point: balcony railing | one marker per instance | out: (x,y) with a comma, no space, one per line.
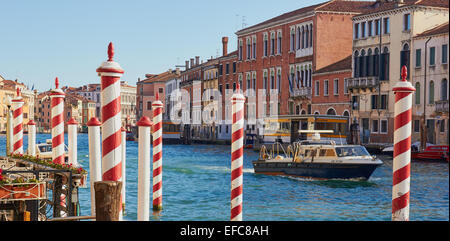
(442,106)
(363,82)
(303,92)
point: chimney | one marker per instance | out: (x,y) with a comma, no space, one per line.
(225,46)
(197,58)
(192,62)
(187,64)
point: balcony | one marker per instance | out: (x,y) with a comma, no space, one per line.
(442,106)
(363,83)
(304,52)
(302,93)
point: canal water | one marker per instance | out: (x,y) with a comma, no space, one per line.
(196,187)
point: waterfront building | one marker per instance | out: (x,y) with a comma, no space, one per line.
(172,84)
(209,95)
(227,79)
(382,39)
(436,92)
(147,88)
(282,53)
(73,108)
(330,95)
(128,104)
(8,88)
(88,111)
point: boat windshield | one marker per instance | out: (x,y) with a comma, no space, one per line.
(351,151)
(45,148)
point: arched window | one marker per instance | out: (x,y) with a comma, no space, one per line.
(303,112)
(299,38)
(444,90)
(417,93)
(376,61)
(316,113)
(369,63)
(431,94)
(303,37)
(331,111)
(404,59)
(346,113)
(307,37)
(355,64)
(362,65)
(310,35)
(297,109)
(385,64)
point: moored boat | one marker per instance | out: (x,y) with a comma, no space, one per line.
(317,159)
(432,154)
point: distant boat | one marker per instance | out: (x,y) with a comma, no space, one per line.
(317,159)
(432,154)
(44,150)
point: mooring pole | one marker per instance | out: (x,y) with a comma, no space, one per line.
(107,200)
(31,138)
(402,148)
(124,167)
(143,208)
(95,169)
(110,73)
(237,151)
(17,105)
(57,121)
(72,130)
(157,107)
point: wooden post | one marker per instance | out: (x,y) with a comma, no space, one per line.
(107,200)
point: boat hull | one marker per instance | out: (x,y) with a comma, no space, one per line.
(316,170)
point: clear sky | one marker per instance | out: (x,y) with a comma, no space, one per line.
(41,40)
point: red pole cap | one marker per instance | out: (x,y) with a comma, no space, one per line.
(110,51)
(72,121)
(144,121)
(31,123)
(56,83)
(94,122)
(18,91)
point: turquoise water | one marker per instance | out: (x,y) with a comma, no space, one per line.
(196,187)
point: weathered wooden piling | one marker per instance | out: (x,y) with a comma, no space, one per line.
(107,200)
(402,148)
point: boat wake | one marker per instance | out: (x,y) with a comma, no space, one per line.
(224,169)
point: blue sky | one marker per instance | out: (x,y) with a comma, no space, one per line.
(41,40)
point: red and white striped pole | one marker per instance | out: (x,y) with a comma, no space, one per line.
(402,148)
(157,107)
(110,73)
(31,138)
(72,129)
(17,106)
(57,115)
(237,151)
(143,208)
(124,166)
(95,170)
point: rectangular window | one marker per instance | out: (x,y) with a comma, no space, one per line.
(279,44)
(149,105)
(161,90)
(374,126)
(370,27)
(248,49)
(383,102)
(377,27)
(406,22)
(336,87)
(317,92)
(417,126)
(265,47)
(234,67)
(418,57)
(444,53)
(442,126)
(220,69)
(254,50)
(374,103)
(386,25)
(227,69)
(345,86)
(356,30)
(220,89)
(384,126)
(272,46)
(325,87)
(432,56)
(292,41)
(363,29)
